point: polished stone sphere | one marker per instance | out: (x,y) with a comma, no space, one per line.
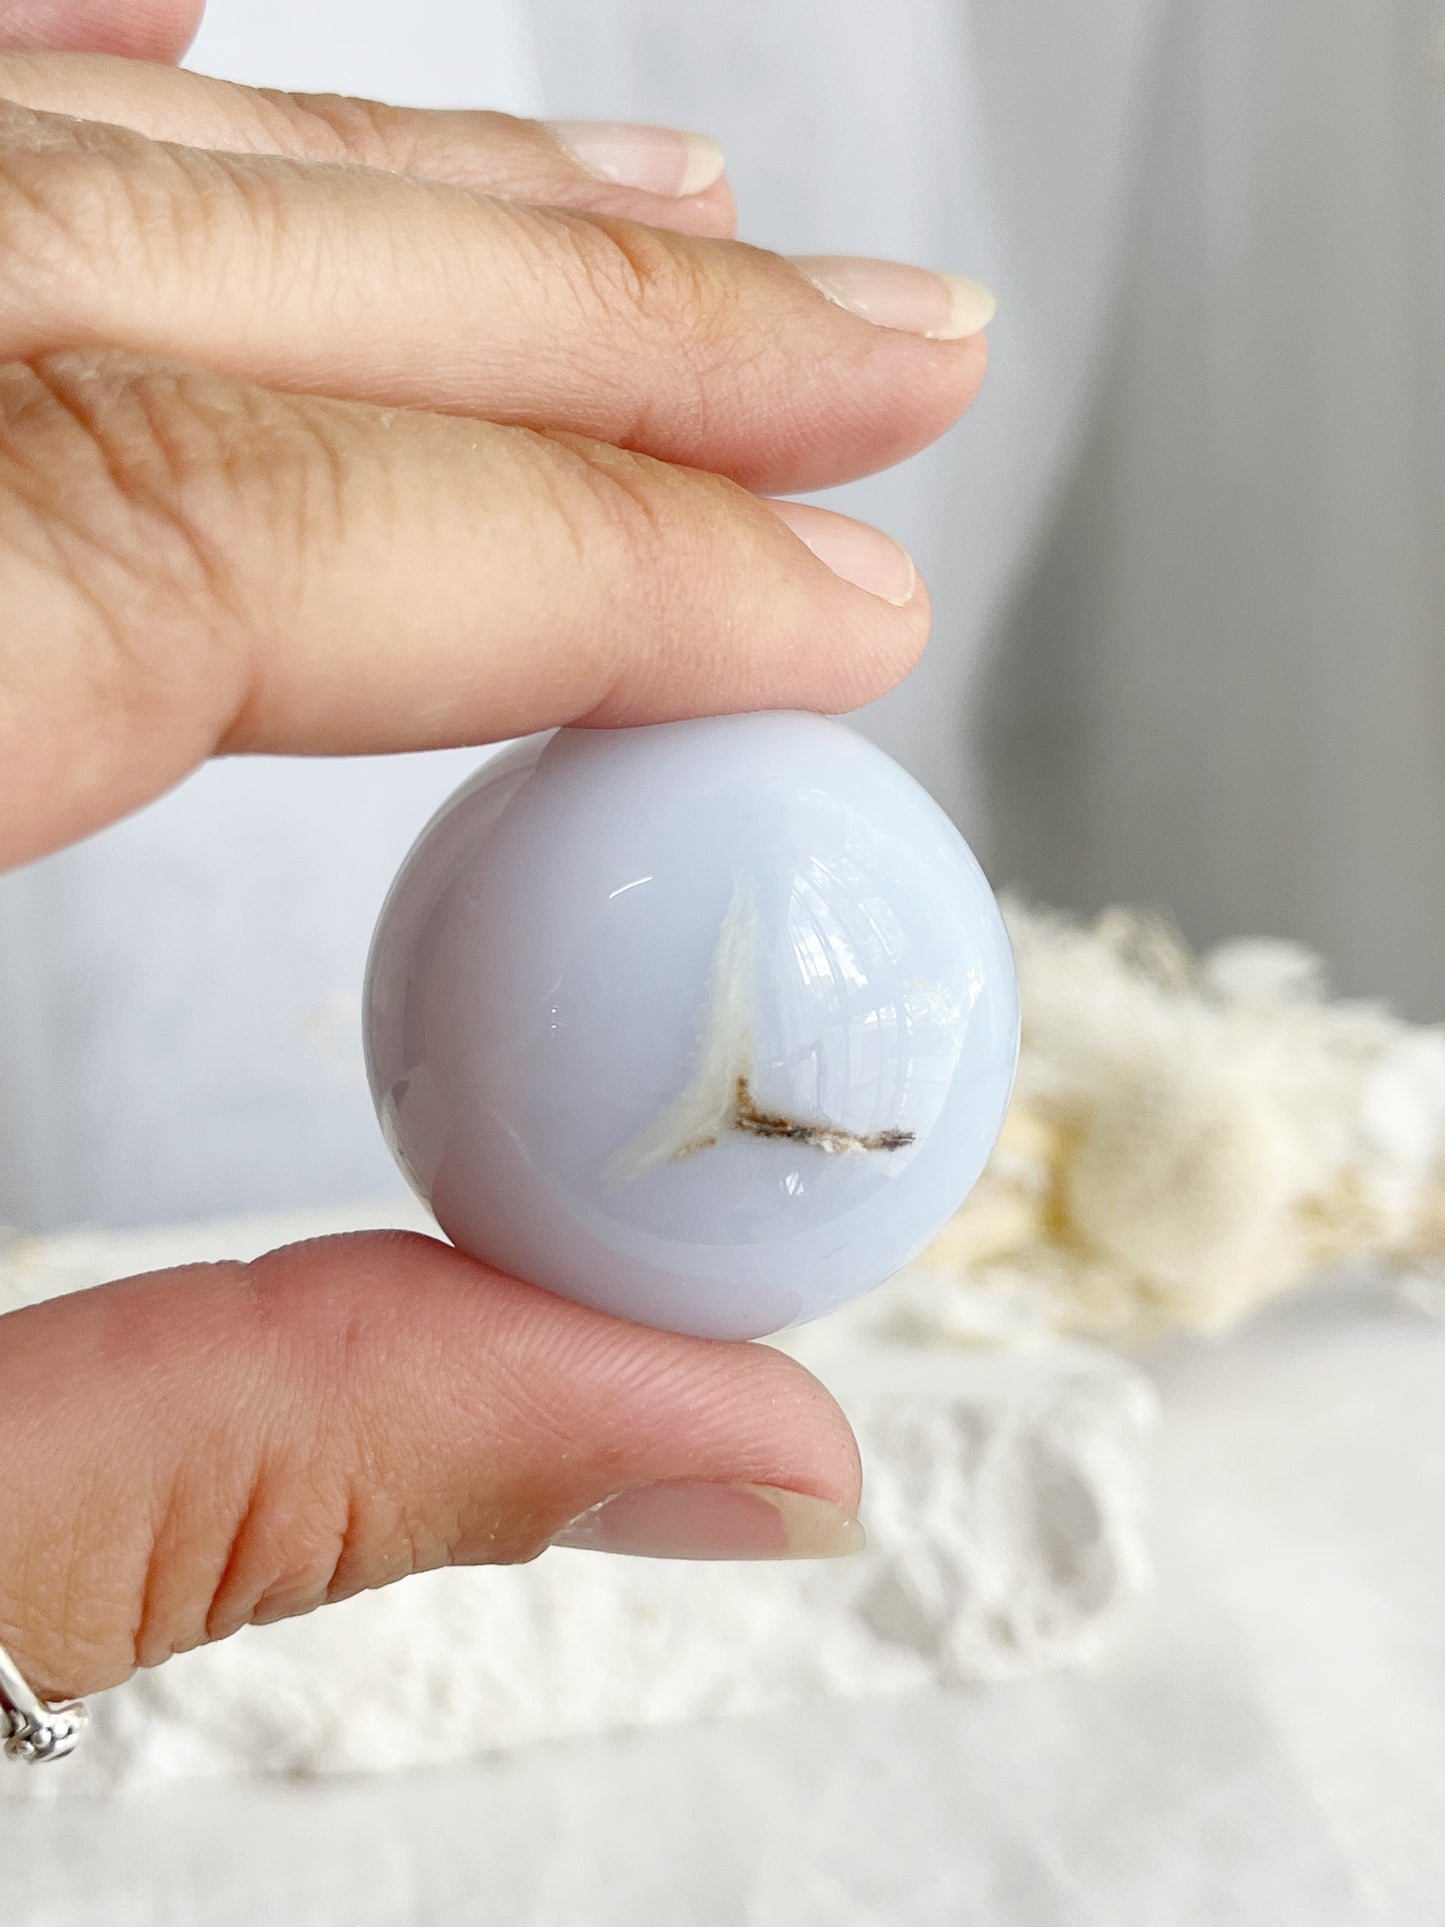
(711,1025)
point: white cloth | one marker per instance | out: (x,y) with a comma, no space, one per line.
(1224,693)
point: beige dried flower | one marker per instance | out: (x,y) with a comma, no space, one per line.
(1187,1141)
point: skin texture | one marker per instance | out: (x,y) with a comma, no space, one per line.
(139,30)
(330,428)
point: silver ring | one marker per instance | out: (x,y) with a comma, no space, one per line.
(32,1730)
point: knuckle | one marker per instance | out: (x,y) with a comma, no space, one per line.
(469,148)
(638,277)
(103,451)
(683,301)
(348,129)
(438,145)
(108,474)
(605,500)
(70,201)
(86,208)
(276,1557)
(632,529)
(38,242)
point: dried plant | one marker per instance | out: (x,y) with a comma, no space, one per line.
(1188,1140)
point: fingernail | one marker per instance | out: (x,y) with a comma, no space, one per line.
(858,552)
(686,1520)
(921,301)
(660,160)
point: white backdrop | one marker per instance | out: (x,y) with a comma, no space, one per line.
(1225,691)
(1192,518)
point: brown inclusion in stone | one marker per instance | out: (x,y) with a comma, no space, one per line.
(825,1137)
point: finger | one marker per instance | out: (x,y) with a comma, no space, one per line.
(383,288)
(136,29)
(189,565)
(657,174)
(191,1452)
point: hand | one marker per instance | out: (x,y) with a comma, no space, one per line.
(329,429)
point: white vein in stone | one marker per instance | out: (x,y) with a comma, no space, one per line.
(707,1104)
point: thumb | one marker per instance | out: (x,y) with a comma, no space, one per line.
(190,1452)
(139,29)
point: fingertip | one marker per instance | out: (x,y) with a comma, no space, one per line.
(714,213)
(879,397)
(156,30)
(904,393)
(801,629)
(857,661)
(561,1389)
(664,1405)
(898,653)
(825,1461)
(973,357)
(856,552)
(177,24)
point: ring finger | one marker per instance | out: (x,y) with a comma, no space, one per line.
(381,287)
(654,174)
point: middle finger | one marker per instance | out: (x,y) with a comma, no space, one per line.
(379,287)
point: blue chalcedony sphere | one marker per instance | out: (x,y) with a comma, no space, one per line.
(711,1025)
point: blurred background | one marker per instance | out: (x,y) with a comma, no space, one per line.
(1185,553)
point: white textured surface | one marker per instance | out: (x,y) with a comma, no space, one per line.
(1005,1510)
(1261,1748)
